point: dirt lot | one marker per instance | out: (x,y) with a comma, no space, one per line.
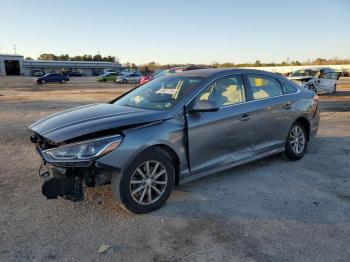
(269,210)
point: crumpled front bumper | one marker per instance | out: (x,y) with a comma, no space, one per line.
(61,182)
(66,179)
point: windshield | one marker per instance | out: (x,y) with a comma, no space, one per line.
(159,74)
(306,72)
(161,93)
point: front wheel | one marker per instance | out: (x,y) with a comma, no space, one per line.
(124,81)
(296,143)
(312,88)
(63,81)
(146,184)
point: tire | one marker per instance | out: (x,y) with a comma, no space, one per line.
(296,145)
(63,81)
(335,89)
(42,82)
(139,202)
(124,81)
(104,80)
(312,88)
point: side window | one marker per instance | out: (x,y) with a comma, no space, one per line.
(288,88)
(224,91)
(264,86)
(331,75)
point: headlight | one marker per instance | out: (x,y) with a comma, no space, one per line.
(85,150)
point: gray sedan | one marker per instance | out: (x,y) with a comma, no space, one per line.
(171,130)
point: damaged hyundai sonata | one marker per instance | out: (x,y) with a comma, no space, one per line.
(171,130)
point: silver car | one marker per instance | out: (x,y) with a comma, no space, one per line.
(130,78)
(319,80)
(171,130)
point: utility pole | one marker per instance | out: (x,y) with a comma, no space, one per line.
(14,48)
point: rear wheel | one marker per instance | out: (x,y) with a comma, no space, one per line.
(63,81)
(124,81)
(146,184)
(296,143)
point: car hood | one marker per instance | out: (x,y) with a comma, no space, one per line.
(93,118)
(300,78)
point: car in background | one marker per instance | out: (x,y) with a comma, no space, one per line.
(172,130)
(110,76)
(52,78)
(148,78)
(37,72)
(319,80)
(130,78)
(74,73)
(173,70)
(345,73)
(109,71)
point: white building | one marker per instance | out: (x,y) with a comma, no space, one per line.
(16,65)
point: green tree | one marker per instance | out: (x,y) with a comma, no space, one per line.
(47,57)
(63,57)
(257,63)
(97,58)
(320,61)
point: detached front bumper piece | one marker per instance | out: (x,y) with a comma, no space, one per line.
(60,182)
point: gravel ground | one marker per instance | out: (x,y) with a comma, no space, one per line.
(268,210)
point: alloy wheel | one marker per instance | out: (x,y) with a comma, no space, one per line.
(297,139)
(148,182)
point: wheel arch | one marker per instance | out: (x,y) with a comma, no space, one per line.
(172,155)
(166,150)
(305,123)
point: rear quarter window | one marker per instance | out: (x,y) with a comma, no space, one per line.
(288,88)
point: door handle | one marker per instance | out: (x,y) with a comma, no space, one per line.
(245,117)
(287,105)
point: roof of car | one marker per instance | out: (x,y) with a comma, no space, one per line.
(215,71)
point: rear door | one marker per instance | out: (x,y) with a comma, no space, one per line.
(51,78)
(134,78)
(216,139)
(271,112)
(137,78)
(130,78)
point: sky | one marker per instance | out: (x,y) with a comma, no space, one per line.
(180,31)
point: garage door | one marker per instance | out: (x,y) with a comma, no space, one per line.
(12,67)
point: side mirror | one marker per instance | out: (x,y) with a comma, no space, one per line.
(204,106)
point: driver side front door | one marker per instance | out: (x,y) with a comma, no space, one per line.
(217,139)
